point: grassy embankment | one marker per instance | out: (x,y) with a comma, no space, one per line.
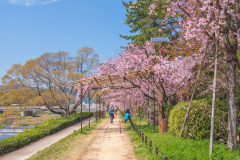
(51,126)
(174,148)
(70,147)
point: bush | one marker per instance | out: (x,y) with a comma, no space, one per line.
(199,120)
(51,126)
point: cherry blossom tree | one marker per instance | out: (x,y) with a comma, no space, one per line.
(217,22)
(156,77)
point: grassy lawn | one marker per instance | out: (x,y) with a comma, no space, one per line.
(71,146)
(174,148)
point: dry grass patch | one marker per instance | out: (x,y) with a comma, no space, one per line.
(31,121)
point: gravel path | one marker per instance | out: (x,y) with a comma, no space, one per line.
(110,144)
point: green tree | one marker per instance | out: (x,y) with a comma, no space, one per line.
(144,25)
(48,79)
(21,95)
(1,94)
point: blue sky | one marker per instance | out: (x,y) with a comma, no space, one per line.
(29,28)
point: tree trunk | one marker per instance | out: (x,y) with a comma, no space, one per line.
(160,110)
(232,110)
(214,97)
(66,112)
(160,98)
(134,108)
(170,101)
(148,110)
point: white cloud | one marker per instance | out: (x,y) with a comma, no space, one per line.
(49,1)
(32,2)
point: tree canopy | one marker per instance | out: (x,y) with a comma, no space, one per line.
(45,80)
(144,25)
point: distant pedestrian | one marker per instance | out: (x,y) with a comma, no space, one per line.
(111,114)
(127,115)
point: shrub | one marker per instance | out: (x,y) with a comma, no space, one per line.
(51,126)
(199,120)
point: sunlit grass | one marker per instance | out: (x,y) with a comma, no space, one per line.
(59,149)
(174,148)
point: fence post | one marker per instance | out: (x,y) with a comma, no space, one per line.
(165,158)
(150,147)
(156,151)
(145,139)
(140,133)
(120,130)
(142,137)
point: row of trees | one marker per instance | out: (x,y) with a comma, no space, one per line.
(204,37)
(215,24)
(45,80)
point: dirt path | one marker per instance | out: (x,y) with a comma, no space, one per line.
(29,150)
(110,144)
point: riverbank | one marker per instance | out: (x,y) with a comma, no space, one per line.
(49,127)
(43,143)
(23,122)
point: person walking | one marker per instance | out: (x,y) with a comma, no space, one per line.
(111,114)
(127,115)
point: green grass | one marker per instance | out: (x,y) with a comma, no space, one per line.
(174,148)
(51,126)
(59,149)
(137,120)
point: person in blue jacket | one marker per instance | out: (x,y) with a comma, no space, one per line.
(127,115)
(111,114)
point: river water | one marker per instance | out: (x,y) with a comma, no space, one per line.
(5,135)
(2,137)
